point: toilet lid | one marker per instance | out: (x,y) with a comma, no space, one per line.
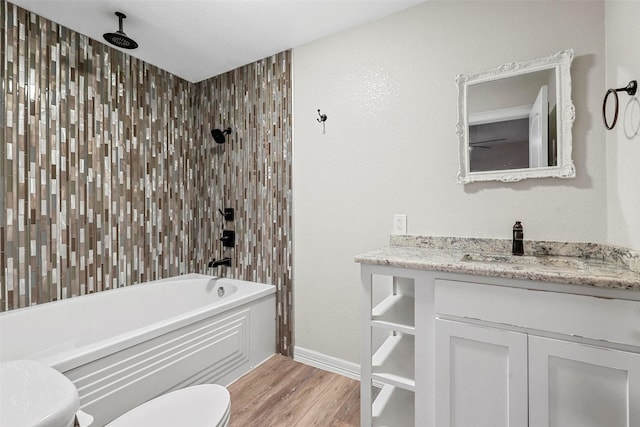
(203,405)
(35,395)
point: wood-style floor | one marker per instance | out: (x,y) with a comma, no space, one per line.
(282,392)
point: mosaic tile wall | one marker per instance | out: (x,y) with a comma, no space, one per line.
(109,175)
(251,173)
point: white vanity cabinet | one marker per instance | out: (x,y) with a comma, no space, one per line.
(447,349)
(474,337)
(391,351)
(521,357)
(573,384)
(481,376)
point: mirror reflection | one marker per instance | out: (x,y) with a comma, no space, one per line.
(515,121)
(512,122)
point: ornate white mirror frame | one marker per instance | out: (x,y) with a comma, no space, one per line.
(560,63)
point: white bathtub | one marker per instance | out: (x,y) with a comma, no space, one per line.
(125,346)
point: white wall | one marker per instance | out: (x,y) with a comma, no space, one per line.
(623,142)
(390,145)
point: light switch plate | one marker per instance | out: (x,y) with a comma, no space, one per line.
(400,224)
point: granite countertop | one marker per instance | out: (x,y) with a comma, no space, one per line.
(587,264)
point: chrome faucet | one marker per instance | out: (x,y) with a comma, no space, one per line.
(216,263)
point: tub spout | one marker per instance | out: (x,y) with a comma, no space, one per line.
(224,261)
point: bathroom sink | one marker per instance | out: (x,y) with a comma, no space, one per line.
(533,261)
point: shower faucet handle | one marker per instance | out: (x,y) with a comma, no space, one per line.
(228,238)
(228,214)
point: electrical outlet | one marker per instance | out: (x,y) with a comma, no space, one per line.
(400,224)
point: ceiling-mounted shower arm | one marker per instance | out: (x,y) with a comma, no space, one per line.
(121,16)
(120,38)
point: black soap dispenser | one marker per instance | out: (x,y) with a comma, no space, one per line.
(517,247)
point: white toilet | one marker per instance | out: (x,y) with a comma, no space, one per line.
(206,405)
(35,395)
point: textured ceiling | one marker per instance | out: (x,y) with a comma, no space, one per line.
(200,39)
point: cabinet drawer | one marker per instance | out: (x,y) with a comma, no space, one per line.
(612,320)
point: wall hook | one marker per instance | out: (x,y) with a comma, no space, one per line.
(631,90)
(323,120)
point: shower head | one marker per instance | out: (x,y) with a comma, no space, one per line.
(218,135)
(119,38)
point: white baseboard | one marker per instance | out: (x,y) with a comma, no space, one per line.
(327,363)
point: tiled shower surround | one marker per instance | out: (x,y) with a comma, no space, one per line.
(110,177)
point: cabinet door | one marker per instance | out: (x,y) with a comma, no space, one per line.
(574,384)
(481,376)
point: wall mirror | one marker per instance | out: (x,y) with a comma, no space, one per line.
(514,122)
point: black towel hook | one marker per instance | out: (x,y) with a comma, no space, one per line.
(631,90)
(323,117)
